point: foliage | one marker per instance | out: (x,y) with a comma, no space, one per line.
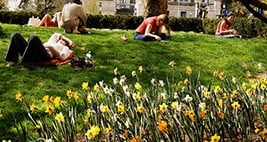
(168,110)
(91,7)
(41,6)
(3,4)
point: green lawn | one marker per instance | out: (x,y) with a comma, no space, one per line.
(204,53)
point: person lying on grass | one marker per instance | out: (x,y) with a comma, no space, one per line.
(55,51)
(151,28)
(48,21)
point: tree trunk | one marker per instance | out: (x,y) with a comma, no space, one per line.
(155,7)
(257,4)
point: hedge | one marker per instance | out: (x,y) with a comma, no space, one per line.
(251,27)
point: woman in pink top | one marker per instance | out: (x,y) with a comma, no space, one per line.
(223,27)
(150,29)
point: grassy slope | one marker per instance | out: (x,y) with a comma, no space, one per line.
(201,52)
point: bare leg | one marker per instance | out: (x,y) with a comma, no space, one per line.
(58,17)
(45,21)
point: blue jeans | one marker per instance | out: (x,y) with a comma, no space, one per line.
(139,36)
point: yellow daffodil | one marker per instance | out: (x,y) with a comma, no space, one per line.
(175,105)
(163,126)
(32,107)
(37,127)
(264,133)
(220,103)
(248,74)
(221,76)
(59,117)
(19,97)
(215,73)
(191,115)
(89,99)
(75,95)
(215,138)
(69,94)
(217,89)
(255,85)
(163,107)
(235,105)
(186,81)
(50,109)
(57,101)
(121,109)
(104,108)
(188,70)
(140,108)
(137,96)
(45,98)
(249,92)
(263,87)
(257,130)
(108,131)
(85,86)
(140,69)
(206,94)
(234,94)
(96,88)
(137,86)
(94,131)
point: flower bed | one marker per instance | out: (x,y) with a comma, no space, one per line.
(179,108)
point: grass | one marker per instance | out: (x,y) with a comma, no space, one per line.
(204,53)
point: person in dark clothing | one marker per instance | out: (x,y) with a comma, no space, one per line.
(35,52)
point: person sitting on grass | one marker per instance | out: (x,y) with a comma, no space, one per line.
(73,19)
(48,21)
(55,51)
(151,28)
(223,28)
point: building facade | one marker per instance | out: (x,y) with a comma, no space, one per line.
(176,8)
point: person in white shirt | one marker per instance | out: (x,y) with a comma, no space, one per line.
(73,18)
(34,52)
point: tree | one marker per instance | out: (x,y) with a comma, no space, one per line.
(91,7)
(155,7)
(254,5)
(49,6)
(3,4)
(41,6)
(239,9)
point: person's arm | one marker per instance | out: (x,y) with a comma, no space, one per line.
(54,51)
(69,42)
(222,31)
(148,32)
